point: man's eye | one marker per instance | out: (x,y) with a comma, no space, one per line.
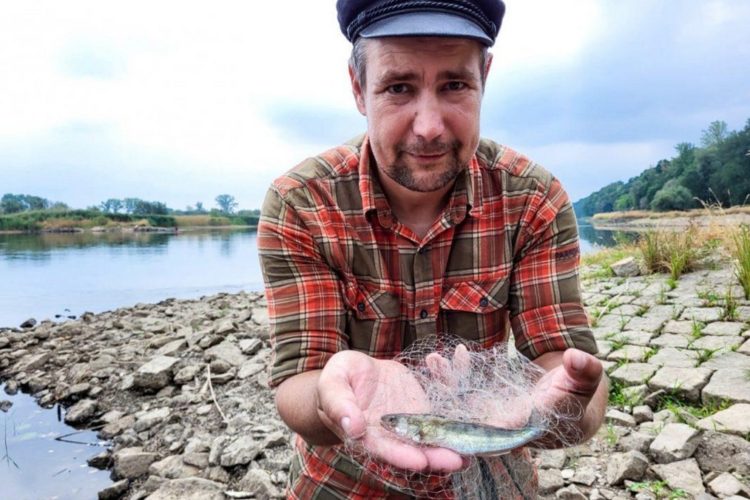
(455,85)
(398,88)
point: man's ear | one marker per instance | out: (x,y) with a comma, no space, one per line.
(358,91)
(487,66)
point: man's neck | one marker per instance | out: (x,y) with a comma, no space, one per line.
(416,210)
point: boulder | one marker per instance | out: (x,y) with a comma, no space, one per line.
(155,374)
(191,488)
(81,412)
(131,463)
(621,466)
(675,442)
(684,475)
(626,267)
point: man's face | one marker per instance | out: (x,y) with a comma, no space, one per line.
(422,101)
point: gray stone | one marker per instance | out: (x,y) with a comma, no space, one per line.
(702,314)
(260,316)
(733,420)
(130,463)
(227,351)
(173,347)
(621,466)
(241,451)
(724,328)
(634,373)
(155,374)
(675,442)
(225,327)
(636,441)
(150,418)
(626,267)
(678,327)
(250,369)
(730,384)
(191,488)
(620,418)
(551,459)
(81,412)
(670,356)
(570,493)
(647,323)
(5,405)
(196,459)
(671,340)
(684,475)
(250,346)
(626,310)
(258,482)
(114,491)
(642,413)
(173,467)
(630,353)
(745,348)
(186,374)
(684,382)
(116,427)
(550,480)
(32,362)
(636,337)
(714,343)
(726,485)
(728,360)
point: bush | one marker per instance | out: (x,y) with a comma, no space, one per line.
(672,196)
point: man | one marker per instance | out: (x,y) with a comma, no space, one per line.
(417,228)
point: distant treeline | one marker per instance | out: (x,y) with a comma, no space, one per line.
(23,212)
(717,172)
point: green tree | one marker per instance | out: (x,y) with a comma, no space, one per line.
(714,134)
(226,203)
(12,203)
(673,196)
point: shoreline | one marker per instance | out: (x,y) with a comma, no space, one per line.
(672,221)
(127,229)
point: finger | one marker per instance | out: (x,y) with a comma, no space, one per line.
(397,453)
(440,368)
(443,460)
(462,360)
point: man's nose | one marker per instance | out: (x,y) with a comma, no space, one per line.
(428,118)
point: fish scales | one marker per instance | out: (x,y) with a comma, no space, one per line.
(466,438)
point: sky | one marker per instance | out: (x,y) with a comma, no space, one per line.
(180,101)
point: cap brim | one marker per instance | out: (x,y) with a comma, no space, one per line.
(426,24)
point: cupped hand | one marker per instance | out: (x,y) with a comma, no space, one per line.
(354,390)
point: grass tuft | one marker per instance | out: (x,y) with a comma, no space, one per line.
(741,252)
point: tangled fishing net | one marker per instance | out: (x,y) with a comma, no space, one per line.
(463,382)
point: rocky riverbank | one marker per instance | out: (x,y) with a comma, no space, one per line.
(180,389)
(671,221)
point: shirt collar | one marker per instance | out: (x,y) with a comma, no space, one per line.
(466,197)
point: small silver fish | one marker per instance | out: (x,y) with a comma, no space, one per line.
(466,438)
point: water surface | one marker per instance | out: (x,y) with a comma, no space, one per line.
(43,458)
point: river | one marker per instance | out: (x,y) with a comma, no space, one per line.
(53,276)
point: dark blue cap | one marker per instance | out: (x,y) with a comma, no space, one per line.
(476,19)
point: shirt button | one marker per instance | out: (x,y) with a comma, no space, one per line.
(423,313)
(361,307)
(484,302)
(421,250)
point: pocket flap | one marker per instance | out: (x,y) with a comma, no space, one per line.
(476,296)
(375,304)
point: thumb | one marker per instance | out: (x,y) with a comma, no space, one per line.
(584,372)
(338,407)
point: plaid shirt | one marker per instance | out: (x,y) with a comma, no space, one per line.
(342,272)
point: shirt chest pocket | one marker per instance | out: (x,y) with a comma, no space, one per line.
(476,310)
(373,321)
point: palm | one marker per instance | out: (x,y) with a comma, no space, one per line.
(379,387)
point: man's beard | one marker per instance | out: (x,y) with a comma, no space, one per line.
(403,175)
